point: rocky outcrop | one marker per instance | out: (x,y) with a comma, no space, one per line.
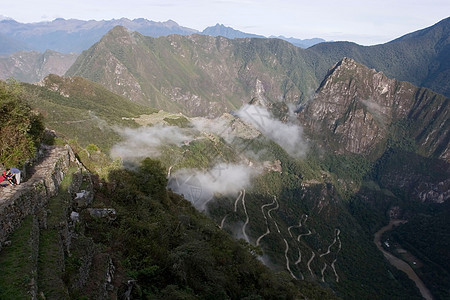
(355,108)
(418,178)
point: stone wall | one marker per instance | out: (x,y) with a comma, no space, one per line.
(32,195)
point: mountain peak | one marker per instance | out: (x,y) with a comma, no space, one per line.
(346,64)
(228,32)
(118,31)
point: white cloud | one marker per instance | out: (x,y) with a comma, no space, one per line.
(199,186)
(288,135)
(146,141)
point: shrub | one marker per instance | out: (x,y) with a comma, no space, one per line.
(21,128)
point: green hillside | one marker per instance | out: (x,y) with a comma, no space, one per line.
(324,207)
(82,110)
(22,128)
(198,75)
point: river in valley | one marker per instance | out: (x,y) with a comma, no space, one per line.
(398,263)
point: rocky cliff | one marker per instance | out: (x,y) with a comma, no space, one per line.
(357,109)
(205,76)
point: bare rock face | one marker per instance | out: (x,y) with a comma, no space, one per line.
(355,107)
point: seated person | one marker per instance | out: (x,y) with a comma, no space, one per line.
(16,174)
(10,177)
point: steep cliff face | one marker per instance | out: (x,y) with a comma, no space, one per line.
(356,108)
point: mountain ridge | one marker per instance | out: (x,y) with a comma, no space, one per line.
(199,74)
(419,57)
(189,70)
(73,35)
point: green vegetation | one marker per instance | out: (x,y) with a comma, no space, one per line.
(16,263)
(21,128)
(426,237)
(173,251)
(168,249)
(83,110)
(94,159)
(347,171)
(181,122)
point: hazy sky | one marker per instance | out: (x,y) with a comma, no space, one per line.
(365,22)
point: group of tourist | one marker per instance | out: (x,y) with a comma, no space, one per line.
(12,176)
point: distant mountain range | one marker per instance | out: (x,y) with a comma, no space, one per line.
(72,35)
(228,32)
(306,43)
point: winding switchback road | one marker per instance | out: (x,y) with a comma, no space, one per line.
(286,250)
(246,218)
(309,263)
(295,226)
(336,236)
(303,234)
(237,200)
(223,221)
(267,224)
(322,271)
(270,210)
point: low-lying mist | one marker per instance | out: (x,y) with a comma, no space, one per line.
(288,135)
(199,187)
(142,142)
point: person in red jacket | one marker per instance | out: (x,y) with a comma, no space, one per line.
(3,177)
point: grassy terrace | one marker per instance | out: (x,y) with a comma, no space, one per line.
(51,258)
(16,263)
